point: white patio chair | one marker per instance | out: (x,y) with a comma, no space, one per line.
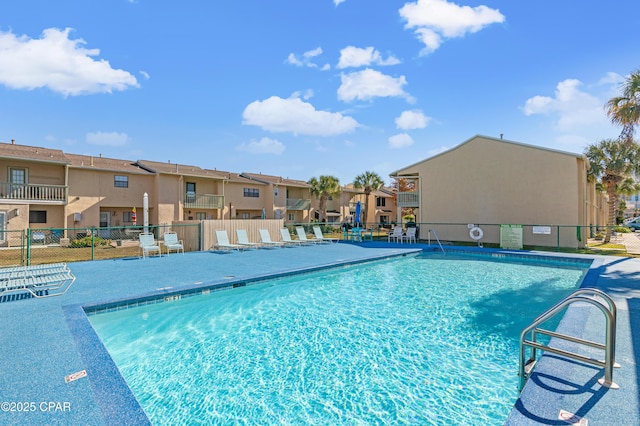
(319,236)
(265,239)
(396,235)
(147,244)
(243,239)
(409,235)
(223,241)
(172,243)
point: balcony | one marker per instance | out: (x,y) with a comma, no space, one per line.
(298,204)
(203,201)
(409,199)
(33,193)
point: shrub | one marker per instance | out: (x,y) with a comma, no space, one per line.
(86,242)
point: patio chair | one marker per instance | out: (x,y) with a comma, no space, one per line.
(147,244)
(243,239)
(171,242)
(409,235)
(265,239)
(35,281)
(302,236)
(319,236)
(286,238)
(223,241)
(396,235)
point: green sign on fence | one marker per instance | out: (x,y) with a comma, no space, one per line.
(511,237)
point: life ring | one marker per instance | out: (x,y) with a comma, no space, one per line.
(476,233)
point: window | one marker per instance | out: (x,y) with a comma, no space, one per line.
(384,219)
(18,176)
(191,192)
(201,216)
(251,192)
(381,202)
(291,217)
(245,215)
(121,181)
(127,216)
(37,216)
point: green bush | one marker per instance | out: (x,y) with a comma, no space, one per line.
(86,242)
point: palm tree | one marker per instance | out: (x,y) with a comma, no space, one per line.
(323,188)
(624,110)
(369,181)
(613,165)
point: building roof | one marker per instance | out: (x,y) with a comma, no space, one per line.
(102,163)
(276,180)
(32,153)
(476,137)
(179,169)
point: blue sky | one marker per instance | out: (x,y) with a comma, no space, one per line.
(304,88)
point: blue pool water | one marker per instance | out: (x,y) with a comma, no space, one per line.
(416,340)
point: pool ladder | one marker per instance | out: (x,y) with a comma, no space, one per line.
(437,239)
(586,295)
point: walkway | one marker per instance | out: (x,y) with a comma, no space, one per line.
(631,242)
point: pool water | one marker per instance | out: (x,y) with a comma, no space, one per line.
(414,340)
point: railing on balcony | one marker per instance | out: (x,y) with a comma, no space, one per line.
(409,199)
(298,204)
(33,192)
(203,201)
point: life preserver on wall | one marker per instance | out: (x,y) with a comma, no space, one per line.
(476,233)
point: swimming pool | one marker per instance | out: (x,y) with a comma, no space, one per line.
(422,339)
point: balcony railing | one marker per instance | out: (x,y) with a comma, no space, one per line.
(298,204)
(33,192)
(203,201)
(409,199)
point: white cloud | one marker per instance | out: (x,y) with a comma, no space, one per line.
(276,114)
(573,108)
(107,138)
(307,59)
(337,2)
(611,78)
(412,120)
(368,84)
(145,75)
(263,146)
(400,140)
(355,57)
(58,63)
(437,20)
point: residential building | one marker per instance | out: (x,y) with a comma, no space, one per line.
(492,181)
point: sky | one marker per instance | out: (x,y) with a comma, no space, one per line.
(307,88)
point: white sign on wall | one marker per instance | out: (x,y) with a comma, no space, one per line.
(511,237)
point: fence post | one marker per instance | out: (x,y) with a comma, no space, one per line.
(28,246)
(558,239)
(93,243)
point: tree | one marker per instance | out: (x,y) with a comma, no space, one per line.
(323,188)
(369,182)
(624,110)
(613,166)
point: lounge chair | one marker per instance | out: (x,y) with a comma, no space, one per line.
(318,233)
(35,281)
(147,244)
(396,235)
(243,239)
(171,242)
(223,241)
(265,239)
(286,238)
(302,236)
(409,235)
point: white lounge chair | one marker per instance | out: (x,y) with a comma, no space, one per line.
(302,236)
(320,237)
(172,243)
(409,235)
(286,238)
(223,241)
(265,239)
(243,239)
(35,281)
(147,244)
(395,235)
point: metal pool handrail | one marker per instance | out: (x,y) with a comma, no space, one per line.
(437,239)
(610,314)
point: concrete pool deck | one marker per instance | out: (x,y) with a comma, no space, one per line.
(44,341)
